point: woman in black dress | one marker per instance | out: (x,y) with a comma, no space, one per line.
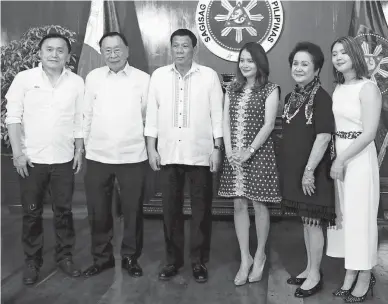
(306,186)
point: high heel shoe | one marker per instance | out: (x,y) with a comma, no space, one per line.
(302,293)
(242,274)
(256,276)
(295,281)
(299,281)
(353,299)
(345,292)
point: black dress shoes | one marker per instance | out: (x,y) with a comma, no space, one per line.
(30,273)
(301,293)
(299,281)
(200,273)
(98,268)
(132,266)
(67,266)
(295,281)
(168,272)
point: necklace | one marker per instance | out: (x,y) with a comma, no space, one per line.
(297,100)
(287,114)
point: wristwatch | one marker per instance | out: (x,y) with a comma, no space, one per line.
(218,147)
(308,168)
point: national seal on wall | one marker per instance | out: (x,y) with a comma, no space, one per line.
(375,50)
(225,26)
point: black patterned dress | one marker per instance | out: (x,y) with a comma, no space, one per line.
(257,179)
(295,148)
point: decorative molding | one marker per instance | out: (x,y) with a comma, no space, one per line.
(220,207)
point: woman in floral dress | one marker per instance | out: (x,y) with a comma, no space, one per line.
(249,171)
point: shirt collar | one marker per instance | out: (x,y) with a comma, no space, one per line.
(65,70)
(126,71)
(194,68)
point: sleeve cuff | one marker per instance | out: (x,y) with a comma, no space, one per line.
(78,134)
(151,132)
(217,133)
(12,120)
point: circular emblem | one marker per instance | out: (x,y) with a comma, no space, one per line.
(225,26)
(375,50)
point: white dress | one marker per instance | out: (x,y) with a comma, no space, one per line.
(357,197)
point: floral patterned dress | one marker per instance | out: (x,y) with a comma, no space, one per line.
(257,179)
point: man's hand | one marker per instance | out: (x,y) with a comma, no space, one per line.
(154,160)
(20,162)
(215,160)
(77,164)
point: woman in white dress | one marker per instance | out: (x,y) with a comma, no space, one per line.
(356,108)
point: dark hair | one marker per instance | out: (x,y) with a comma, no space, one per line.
(55,35)
(354,51)
(261,61)
(185,32)
(314,51)
(113,34)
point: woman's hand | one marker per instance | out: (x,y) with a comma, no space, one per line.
(337,169)
(241,156)
(228,154)
(308,182)
(232,159)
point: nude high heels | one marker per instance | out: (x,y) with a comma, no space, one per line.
(243,272)
(257,271)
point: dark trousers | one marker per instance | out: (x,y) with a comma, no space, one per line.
(99,182)
(60,179)
(173,180)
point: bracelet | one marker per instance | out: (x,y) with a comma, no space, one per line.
(305,172)
(219,147)
(308,169)
(251,150)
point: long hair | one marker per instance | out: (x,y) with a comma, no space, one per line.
(356,55)
(261,61)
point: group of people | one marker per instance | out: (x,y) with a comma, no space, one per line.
(328,170)
(180,121)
